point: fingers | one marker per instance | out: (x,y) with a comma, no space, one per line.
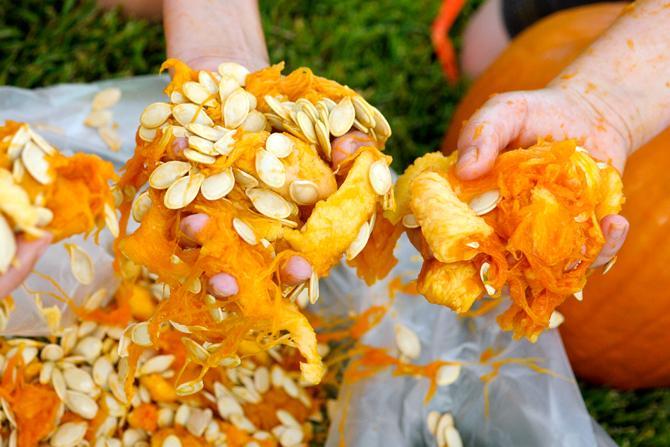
(27,254)
(223,285)
(488,132)
(191,226)
(295,270)
(615,229)
(347,144)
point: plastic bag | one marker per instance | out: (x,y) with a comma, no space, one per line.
(526,408)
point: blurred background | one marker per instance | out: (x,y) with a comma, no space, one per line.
(381,48)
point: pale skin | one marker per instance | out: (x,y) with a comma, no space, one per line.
(614,98)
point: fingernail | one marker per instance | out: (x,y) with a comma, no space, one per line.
(617,232)
(469,157)
(296,270)
(223,285)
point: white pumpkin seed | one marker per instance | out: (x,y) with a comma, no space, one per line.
(141,206)
(556,319)
(208,133)
(304,192)
(218,185)
(579,295)
(7,245)
(35,161)
(407,341)
(359,242)
(95,300)
(269,203)
(474,245)
(485,202)
(110,137)
(41,142)
(140,335)
(177,97)
(254,122)
(244,231)
(201,145)
(313,288)
(609,265)
(208,80)
(235,109)
(227,85)
(58,383)
(45,372)
(198,157)
(452,437)
(18,142)
(306,126)
(89,348)
(190,113)
(198,353)
(409,221)
(270,169)
(323,137)
(234,70)
(191,387)
(380,177)
(382,127)
(165,174)
(432,420)
(157,364)
(291,436)
(18,171)
(364,112)
(102,368)
(111,220)
(448,374)
(106,98)
(183,191)
(155,114)
(69,434)
(81,264)
(198,93)
(483,275)
(341,117)
(147,134)
(98,118)
(225,144)
(279,144)
(51,352)
(78,380)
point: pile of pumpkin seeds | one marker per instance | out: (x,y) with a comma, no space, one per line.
(101,117)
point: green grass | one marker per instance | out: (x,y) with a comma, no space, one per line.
(382,48)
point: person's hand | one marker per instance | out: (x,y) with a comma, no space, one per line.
(27,254)
(518,119)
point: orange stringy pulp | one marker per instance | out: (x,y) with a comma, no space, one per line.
(263,313)
(539,239)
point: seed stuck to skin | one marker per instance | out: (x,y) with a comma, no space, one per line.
(380,177)
(407,341)
(485,202)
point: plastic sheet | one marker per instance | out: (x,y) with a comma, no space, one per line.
(526,408)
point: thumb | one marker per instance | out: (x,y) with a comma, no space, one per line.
(489,131)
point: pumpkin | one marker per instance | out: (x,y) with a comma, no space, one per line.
(617,335)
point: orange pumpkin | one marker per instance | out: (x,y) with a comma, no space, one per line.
(618,334)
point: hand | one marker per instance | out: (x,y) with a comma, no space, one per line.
(518,119)
(27,255)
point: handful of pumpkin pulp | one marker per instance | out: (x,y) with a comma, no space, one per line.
(531,224)
(253,152)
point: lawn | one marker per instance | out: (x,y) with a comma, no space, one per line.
(381,48)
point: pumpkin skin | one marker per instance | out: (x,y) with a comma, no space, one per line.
(619,334)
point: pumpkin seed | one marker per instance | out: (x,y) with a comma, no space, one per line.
(244,179)
(18,142)
(262,379)
(111,221)
(609,265)
(452,438)
(69,434)
(147,134)
(270,169)
(244,231)
(179,131)
(191,387)
(106,98)
(110,137)
(279,145)
(227,85)
(191,113)
(447,374)
(78,380)
(58,383)
(254,122)
(81,264)
(485,202)
(225,144)
(359,242)
(291,436)
(198,157)
(431,421)
(218,185)
(140,335)
(141,206)
(198,353)
(269,203)
(407,341)
(208,133)
(157,364)
(253,102)
(380,177)
(323,137)
(303,192)
(313,288)
(306,126)
(209,81)
(235,109)
(234,70)
(177,97)
(198,93)
(98,118)
(89,348)
(7,245)
(102,368)
(155,114)
(94,301)
(165,174)
(556,319)
(409,221)
(41,142)
(45,372)
(341,117)
(18,171)
(183,191)
(277,108)
(382,127)
(579,295)
(474,245)
(35,161)
(51,352)
(364,113)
